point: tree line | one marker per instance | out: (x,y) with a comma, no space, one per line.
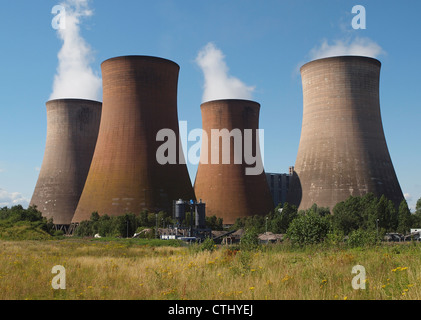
(128,224)
(356,218)
(17,223)
(366,217)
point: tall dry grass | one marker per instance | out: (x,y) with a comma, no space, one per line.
(120,270)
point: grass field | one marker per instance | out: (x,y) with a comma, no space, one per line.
(124,269)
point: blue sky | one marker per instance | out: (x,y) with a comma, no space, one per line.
(264,44)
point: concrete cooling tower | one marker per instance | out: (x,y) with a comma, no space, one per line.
(343,149)
(226,186)
(139,99)
(72,131)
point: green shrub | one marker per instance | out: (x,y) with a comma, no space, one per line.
(18,223)
(249,241)
(308,229)
(84,229)
(207,245)
(334,239)
(281,219)
(58,233)
(23,231)
(362,238)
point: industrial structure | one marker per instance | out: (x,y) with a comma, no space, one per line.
(225,185)
(191,230)
(139,99)
(72,131)
(279,185)
(343,150)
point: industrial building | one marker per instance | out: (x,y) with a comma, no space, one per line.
(194,230)
(139,99)
(342,150)
(72,132)
(227,189)
(279,185)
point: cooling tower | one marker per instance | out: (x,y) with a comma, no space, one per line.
(343,149)
(226,186)
(72,131)
(139,99)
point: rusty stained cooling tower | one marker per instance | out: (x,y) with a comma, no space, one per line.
(139,99)
(72,131)
(230,193)
(343,149)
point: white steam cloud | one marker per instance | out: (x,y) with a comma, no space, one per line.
(75,78)
(358,47)
(218,83)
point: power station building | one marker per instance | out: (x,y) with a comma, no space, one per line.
(72,131)
(104,157)
(279,185)
(342,150)
(139,100)
(229,183)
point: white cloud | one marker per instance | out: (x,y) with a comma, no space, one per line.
(75,78)
(9,199)
(411,201)
(218,83)
(357,47)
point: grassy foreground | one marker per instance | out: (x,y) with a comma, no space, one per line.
(132,270)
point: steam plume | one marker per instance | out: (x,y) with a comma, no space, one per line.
(75,78)
(218,83)
(358,47)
